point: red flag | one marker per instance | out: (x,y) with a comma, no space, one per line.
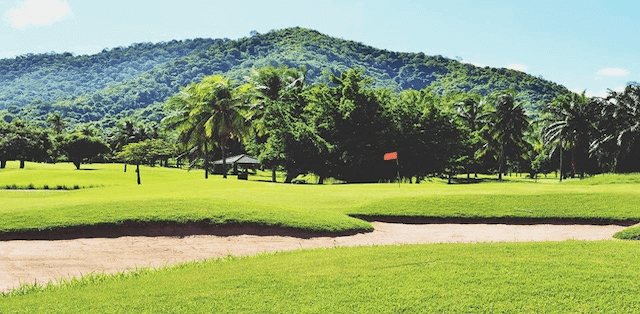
(391,156)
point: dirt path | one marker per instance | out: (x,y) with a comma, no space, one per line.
(41,261)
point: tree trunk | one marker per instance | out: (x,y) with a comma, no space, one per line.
(500,162)
(290,177)
(21,163)
(77,164)
(561,149)
(321,180)
(3,164)
(273,174)
(206,162)
(138,171)
(125,167)
(224,161)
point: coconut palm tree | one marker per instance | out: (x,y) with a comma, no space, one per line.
(273,92)
(620,128)
(472,110)
(56,122)
(568,126)
(208,112)
(506,130)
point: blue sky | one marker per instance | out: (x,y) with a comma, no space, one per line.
(583,45)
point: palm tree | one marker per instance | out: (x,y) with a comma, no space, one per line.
(273,88)
(472,111)
(207,112)
(506,130)
(568,126)
(620,128)
(56,121)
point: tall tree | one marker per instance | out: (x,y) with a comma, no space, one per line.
(568,125)
(618,143)
(207,112)
(472,110)
(506,131)
(276,109)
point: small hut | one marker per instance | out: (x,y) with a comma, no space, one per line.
(243,161)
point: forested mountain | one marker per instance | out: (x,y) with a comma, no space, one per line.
(136,80)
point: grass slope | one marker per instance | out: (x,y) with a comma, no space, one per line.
(184,196)
(551,277)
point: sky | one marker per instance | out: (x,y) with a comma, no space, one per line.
(585,45)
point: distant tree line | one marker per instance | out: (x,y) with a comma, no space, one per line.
(342,128)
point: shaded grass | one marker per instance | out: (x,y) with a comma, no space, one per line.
(548,277)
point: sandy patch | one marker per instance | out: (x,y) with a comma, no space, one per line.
(44,260)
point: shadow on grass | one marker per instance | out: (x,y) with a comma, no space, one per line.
(167,229)
(497,220)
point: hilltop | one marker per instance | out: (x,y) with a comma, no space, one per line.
(134,81)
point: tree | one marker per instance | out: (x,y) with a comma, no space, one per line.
(276,113)
(56,122)
(569,125)
(19,141)
(427,137)
(209,111)
(472,110)
(79,147)
(618,143)
(505,133)
(145,151)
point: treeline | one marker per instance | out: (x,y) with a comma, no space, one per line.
(134,81)
(342,129)
(24,141)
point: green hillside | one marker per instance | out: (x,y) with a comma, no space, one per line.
(135,80)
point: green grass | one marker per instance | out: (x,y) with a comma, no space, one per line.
(631,233)
(185,196)
(609,178)
(548,277)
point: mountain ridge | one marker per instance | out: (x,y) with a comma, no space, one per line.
(134,81)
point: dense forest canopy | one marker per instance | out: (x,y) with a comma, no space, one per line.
(134,81)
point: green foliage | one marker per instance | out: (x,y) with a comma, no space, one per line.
(617,143)
(80,147)
(212,111)
(20,141)
(132,81)
(147,151)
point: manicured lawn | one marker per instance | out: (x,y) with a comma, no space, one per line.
(185,196)
(547,277)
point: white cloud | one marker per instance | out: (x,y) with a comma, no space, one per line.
(613,72)
(518,67)
(38,13)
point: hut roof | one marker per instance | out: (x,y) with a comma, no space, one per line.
(242,159)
